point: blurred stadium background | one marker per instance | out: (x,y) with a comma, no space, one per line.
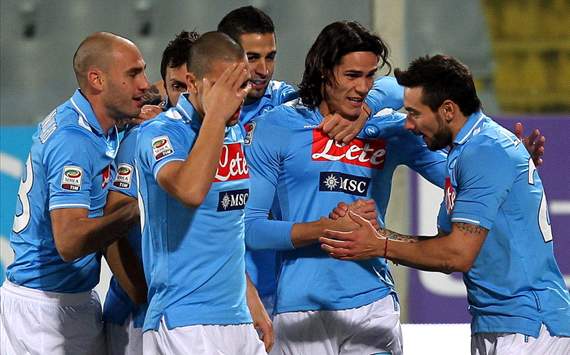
(518,50)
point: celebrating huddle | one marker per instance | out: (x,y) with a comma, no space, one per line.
(213,215)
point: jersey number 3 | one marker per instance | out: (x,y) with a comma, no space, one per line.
(21,220)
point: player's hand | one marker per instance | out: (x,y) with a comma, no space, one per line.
(534,143)
(362,243)
(342,129)
(261,320)
(223,99)
(339,211)
(364,208)
(147,112)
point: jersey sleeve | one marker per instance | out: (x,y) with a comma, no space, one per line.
(287,93)
(160,144)
(415,154)
(69,170)
(484,175)
(264,159)
(431,165)
(125,180)
(385,93)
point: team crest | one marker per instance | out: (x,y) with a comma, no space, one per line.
(249,128)
(71,178)
(161,147)
(124,176)
(449,195)
(106,175)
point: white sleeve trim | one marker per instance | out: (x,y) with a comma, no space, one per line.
(465,220)
(68,205)
(161,164)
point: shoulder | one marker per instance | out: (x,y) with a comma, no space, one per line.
(387,124)
(168,121)
(285,115)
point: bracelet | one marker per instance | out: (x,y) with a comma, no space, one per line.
(385,248)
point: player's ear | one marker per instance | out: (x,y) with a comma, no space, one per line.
(95,78)
(449,109)
(191,83)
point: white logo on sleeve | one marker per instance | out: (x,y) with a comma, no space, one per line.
(161,147)
(71,178)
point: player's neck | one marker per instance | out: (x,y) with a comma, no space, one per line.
(105,120)
(456,124)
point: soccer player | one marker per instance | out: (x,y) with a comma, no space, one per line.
(173,66)
(193,184)
(493,222)
(324,306)
(124,311)
(254,31)
(47,302)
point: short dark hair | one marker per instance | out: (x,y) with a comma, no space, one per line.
(335,41)
(210,47)
(247,19)
(441,78)
(176,52)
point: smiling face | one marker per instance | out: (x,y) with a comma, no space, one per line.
(125,83)
(353,78)
(261,51)
(423,121)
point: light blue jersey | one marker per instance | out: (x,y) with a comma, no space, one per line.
(514,285)
(193,257)
(70,166)
(310,174)
(118,306)
(262,265)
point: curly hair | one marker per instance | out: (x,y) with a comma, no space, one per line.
(177,51)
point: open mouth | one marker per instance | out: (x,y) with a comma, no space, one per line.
(258,83)
(356,101)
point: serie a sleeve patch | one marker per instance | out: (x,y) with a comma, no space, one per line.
(124,176)
(161,147)
(71,178)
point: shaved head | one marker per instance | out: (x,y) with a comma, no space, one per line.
(97,50)
(210,47)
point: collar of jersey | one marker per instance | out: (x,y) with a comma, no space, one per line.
(84,109)
(188,112)
(473,122)
(190,115)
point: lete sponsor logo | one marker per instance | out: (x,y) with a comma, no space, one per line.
(232,164)
(161,147)
(370,153)
(449,195)
(71,178)
(232,200)
(333,181)
(124,176)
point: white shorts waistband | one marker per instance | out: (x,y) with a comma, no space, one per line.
(62,299)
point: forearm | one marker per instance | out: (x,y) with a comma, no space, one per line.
(80,236)
(424,253)
(128,270)
(193,178)
(303,234)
